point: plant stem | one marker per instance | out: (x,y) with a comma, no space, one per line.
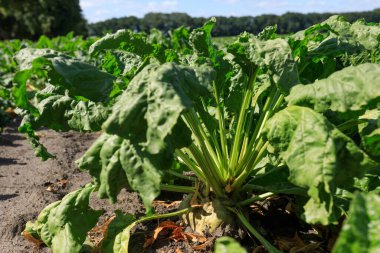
(255,147)
(208,153)
(255,233)
(179,175)
(241,120)
(161,216)
(255,198)
(184,158)
(251,145)
(210,176)
(222,130)
(349,124)
(250,166)
(177,188)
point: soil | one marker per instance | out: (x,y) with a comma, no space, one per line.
(28,184)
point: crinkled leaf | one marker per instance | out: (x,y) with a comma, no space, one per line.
(117,163)
(35,228)
(227,244)
(348,92)
(144,170)
(123,39)
(147,116)
(53,108)
(86,116)
(360,232)
(274,56)
(102,160)
(268,33)
(63,225)
(116,226)
(200,40)
(151,106)
(122,63)
(58,111)
(370,182)
(320,157)
(83,79)
(80,78)
(91,159)
(359,32)
(112,176)
(26,57)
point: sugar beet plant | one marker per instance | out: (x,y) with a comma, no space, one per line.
(260,117)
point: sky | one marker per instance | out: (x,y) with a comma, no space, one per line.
(97,10)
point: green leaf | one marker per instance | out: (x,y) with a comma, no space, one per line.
(268,33)
(27,128)
(273,56)
(63,225)
(274,179)
(148,117)
(200,40)
(35,228)
(320,158)
(227,244)
(82,79)
(348,92)
(123,39)
(102,160)
(121,244)
(122,63)
(370,132)
(26,58)
(360,32)
(20,95)
(58,111)
(91,159)
(360,232)
(116,226)
(151,106)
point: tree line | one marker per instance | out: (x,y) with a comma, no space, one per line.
(29,19)
(33,18)
(226,26)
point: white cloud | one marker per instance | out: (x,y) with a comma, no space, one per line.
(227,1)
(96,10)
(165,6)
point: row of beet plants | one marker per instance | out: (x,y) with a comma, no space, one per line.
(265,115)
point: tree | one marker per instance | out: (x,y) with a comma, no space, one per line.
(32,18)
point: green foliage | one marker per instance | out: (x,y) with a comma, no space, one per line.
(264,115)
(31,19)
(346,93)
(113,240)
(360,232)
(228,245)
(324,161)
(63,225)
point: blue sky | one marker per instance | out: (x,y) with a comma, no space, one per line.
(96,10)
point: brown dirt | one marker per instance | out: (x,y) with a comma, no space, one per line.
(28,184)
